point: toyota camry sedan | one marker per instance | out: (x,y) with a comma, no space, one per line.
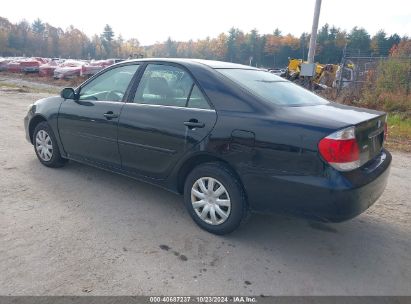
(232,139)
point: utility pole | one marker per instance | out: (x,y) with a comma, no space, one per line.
(314,30)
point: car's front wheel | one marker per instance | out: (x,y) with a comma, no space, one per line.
(45,146)
(215,198)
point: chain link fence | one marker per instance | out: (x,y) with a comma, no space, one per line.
(358,71)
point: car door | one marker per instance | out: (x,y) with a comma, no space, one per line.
(88,125)
(167,117)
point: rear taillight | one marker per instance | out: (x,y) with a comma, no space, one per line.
(340,149)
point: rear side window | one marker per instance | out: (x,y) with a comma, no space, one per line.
(168,85)
(197,99)
(272,88)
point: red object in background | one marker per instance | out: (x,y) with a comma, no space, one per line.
(95,66)
(68,69)
(26,65)
(90,69)
(47,69)
(50,67)
(30,65)
(41,60)
(13,67)
(3,64)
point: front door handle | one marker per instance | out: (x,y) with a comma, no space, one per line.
(194,123)
(110,115)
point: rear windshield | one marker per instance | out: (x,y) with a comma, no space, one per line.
(273,88)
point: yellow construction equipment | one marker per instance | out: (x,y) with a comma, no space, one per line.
(325,74)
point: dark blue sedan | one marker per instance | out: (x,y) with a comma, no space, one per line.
(230,138)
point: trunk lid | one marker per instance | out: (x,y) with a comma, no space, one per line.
(370,137)
(328,118)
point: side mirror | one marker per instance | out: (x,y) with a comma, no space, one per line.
(68,93)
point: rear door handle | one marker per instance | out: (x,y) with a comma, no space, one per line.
(110,115)
(194,123)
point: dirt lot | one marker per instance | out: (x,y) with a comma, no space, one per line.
(79,230)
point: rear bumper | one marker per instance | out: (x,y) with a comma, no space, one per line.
(335,197)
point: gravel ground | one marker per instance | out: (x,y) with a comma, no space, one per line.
(78,230)
(26,84)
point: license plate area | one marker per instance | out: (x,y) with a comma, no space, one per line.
(370,137)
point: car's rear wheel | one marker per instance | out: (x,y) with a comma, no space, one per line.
(215,198)
(45,146)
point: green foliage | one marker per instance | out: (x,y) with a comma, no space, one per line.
(399,132)
(359,39)
(389,89)
(107,41)
(329,46)
(231,44)
(108,33)
(171,48)
(403,123)
(394,76)
(38,26)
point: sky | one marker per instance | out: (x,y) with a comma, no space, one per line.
(156,20)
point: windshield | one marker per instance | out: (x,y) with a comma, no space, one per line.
(273,88)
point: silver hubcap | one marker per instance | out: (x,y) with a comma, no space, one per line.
(44,146)
(210,200)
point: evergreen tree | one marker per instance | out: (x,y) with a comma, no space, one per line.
(107,40)
(108,33)
(38,26)
(359,40)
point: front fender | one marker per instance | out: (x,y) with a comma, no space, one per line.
(46,109)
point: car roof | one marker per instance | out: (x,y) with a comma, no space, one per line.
(214,64)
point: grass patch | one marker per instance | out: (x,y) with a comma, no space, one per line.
(13,87)
(399,132)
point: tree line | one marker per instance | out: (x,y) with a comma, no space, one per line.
(268,50)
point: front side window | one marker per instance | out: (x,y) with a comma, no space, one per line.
(110,86)
(272,88)
(168,86)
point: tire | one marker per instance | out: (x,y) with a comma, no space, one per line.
(232,203)
(45,146)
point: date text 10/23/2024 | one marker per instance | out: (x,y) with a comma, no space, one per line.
(203,299)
